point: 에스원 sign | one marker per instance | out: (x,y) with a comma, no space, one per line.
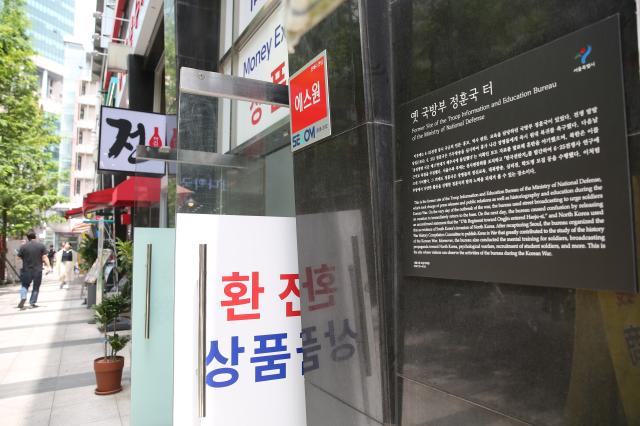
(309,103)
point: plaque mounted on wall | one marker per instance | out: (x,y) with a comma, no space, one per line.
(520,173)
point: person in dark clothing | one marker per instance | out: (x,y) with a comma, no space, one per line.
(50,254)
(32,254)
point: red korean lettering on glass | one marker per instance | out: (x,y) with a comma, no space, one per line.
(256,113)
(321,285)
(292,287)
(278,77)
(235,288)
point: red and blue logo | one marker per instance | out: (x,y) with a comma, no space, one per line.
(583,54)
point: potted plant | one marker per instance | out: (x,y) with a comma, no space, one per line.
(108,368)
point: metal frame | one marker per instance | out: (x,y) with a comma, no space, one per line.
(216,85)
(222,86)
(147,301)
(202,330)
(186,156)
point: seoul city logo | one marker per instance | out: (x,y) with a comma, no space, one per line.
(582,55)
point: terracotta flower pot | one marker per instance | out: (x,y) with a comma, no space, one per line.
(108,374)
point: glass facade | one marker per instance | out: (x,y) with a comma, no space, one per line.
(51,21)
(425,350)
(344,218)
(435,351)
(509,353)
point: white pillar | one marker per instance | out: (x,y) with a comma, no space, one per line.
(44,90)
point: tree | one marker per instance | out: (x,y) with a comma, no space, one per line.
(28,173)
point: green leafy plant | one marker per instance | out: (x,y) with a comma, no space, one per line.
(107,313)
(124,251)
(117,343)
(88,252)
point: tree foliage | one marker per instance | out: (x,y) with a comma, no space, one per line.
(28,172)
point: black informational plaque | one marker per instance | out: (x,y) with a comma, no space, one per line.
(519,173)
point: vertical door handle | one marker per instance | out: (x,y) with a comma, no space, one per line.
(202,330)
(147,302)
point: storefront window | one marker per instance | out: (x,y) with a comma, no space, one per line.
(259,51)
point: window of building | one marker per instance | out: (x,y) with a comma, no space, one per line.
(83,88)
(80,137)
(78,162)
(242,33)
(82,113)
(78,184)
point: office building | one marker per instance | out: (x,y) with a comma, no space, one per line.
(452,262)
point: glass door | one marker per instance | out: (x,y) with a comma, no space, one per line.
(237,320)
(152,326)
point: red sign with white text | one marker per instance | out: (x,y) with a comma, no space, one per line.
(309,103)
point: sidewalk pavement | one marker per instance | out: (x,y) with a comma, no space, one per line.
(46,362)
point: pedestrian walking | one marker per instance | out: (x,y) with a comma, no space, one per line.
(66,259)
(33,253)
(51,254)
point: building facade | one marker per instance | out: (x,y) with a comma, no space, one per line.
(451,349)
(65,71)
(51,23)
(75,68)
(83,175)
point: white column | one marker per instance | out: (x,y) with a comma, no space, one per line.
(45,85)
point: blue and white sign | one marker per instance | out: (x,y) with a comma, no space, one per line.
(265,58)
(247,11)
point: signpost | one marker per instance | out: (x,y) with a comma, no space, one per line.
(309,103)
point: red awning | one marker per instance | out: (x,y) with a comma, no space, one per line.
(73,212)
(136,190)
(97,200)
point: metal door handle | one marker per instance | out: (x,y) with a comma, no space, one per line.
(202,330)
(147,304)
